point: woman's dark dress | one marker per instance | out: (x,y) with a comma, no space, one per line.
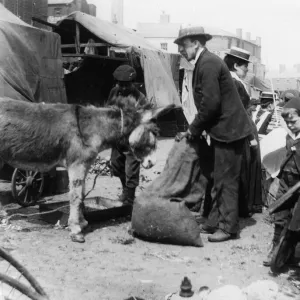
(251,175)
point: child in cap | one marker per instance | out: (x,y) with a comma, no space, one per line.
(289,172)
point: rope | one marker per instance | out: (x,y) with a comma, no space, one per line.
(35,214)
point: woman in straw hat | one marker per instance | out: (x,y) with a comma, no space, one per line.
(237,60)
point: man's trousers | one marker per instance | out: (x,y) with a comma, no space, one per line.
(225,192)
(126,167)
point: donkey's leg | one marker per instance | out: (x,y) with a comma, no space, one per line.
(77,173)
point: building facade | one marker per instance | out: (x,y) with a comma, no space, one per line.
(285,78)
(59,9)
(163,34)
(26,9)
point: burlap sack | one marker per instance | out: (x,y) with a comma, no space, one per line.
(160,213)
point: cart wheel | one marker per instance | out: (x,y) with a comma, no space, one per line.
(16,282)
(283,252)
(27,187)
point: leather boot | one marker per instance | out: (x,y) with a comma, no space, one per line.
(276,237)
(127,196)
(206,229)
(130,196)
(221,236)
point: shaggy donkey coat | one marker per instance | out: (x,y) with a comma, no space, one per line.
(39,137)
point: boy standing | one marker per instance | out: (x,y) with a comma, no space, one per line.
(290,171)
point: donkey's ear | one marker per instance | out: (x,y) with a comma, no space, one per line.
(154,113)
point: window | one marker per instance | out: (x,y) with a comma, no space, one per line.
(164,46)
(57,11)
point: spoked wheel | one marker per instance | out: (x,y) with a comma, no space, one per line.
(27,187)
(283,252)
(16,282)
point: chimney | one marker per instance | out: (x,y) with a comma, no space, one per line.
(281,68)
(297,67)
(239,33)
(117,11)
(258,41)
(164,18)
(248,36)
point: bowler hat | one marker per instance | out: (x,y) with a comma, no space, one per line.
(239,53)
(267,95)
(192,32)
(124,73)
(266,98)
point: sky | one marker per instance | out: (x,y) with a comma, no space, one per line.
(277,22)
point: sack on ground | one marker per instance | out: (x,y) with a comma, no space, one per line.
(167,221)
(160,212)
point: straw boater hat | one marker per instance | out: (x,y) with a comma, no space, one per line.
(239,53)
(192,32)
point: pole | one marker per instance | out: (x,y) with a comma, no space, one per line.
(275,107)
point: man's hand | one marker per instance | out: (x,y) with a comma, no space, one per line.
(188,135)
(253,143)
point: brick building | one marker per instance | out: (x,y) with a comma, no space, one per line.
(58,9)
(26,9)
(285,78)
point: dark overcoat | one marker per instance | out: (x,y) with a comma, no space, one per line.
(220,111)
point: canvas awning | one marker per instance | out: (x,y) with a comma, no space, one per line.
(30,61)
(157,65)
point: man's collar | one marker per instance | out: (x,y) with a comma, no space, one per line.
(199,51)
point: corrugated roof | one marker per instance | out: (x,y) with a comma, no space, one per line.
(55,2)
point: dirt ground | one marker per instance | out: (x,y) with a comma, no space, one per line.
(113,265)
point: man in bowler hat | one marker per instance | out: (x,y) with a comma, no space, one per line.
(264,115)
(222,115)
(124,164)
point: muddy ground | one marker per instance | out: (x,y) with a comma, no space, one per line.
(113,265)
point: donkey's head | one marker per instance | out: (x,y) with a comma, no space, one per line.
(143,139)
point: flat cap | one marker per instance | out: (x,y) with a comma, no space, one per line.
(124,73)
(192,32)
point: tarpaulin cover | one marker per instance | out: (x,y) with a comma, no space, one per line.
(114,34)
(157,65)
(259,84)
(30,61)
(158,77)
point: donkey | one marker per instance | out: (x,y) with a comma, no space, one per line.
(39,137)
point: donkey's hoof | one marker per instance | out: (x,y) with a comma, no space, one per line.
(78,238)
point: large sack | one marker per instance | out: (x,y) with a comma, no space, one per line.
(167,221)
(160,212)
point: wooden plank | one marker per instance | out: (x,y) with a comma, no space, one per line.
(93,56)
(283,200)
